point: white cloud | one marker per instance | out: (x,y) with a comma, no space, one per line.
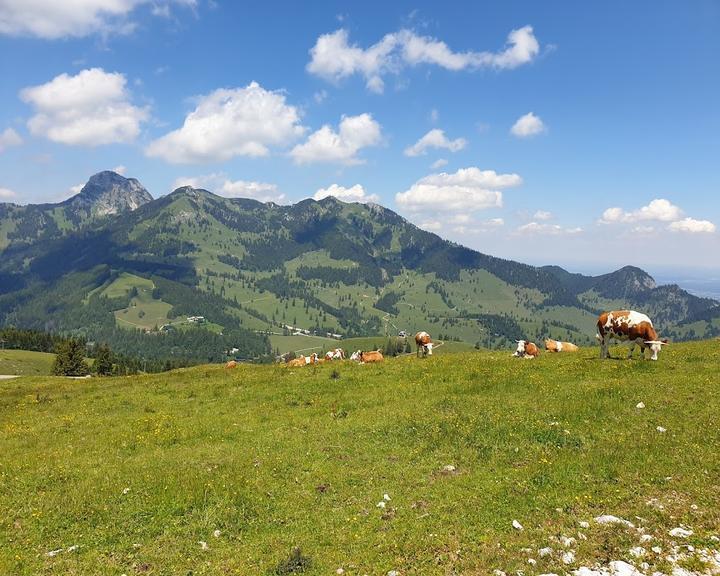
(120,169)
(527,126)
(692,226)
(468,189)
(76,189)
(334,58)
(434,115)
(542,215)
(7,194)
(341,147)
(439,163)
(52,19)
(435,138)
(89,109)
(431,225)
(228,123)
(546,229)
(221,185)
(353,194)
(658,209)
(8,138)
(320,96)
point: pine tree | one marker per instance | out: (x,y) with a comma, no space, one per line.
(103,361)
(70,359)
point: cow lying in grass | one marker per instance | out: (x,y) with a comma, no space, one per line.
(630,326)
(367,357)
(337,354)
(302,361)
(526,349)
(558,346)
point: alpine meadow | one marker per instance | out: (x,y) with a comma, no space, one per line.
(388,289)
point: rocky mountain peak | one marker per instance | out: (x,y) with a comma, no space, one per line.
(108,193)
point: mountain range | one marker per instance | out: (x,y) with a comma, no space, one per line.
(146,274)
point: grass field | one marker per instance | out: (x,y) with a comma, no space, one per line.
(23,362)
(214,471)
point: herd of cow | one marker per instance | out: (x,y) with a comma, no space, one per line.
(625,325)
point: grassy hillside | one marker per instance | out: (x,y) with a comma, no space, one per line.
(214,471)
(25,362)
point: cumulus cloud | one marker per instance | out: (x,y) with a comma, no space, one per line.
(51,19)
(220,184)
(7,194)
(527,126)
(341,147)
(230,122)
(542,215)
(431,225)
(692,226)
(547,229)
(659,209)
(353,194)
(435,138)
(334,58)
(468,189)
(439,163)
(120,169)
(89,109)
(8,138)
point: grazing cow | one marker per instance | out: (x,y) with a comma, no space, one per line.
(373,356)
(231,364)
(558,346)
(628,325)
(526,350)
(337,354)
(355,356)
(302,361)
(424,344)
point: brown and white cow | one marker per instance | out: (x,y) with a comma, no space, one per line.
(231,364)
(630,326)
(302,361)
(424,344)
(372,356)
(337,354)
(526,349)
(558,346)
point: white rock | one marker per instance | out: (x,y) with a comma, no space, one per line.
(381,504)
(714,538)
(532,561)
(517,525)
(620,568)
(386,498)
(693,507)
(545,551)
(73,548)
(216,533)
(449,468)
(549,574)
(680,532)
(126,490)
(584,524)
(585,571)
(661,429)
(203,545)
(640,405)
(497,572)
(690,548)
(582,536)
(645,538)
(656,549)
(644,565)
(677,571)
(637,551)
(53,552)
(567,542)
(568,557)
(339,571)
(610,519)
(393,573)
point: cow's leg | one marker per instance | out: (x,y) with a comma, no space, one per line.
(632,349)
(604,351)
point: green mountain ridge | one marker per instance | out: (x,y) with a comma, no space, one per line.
(328,267)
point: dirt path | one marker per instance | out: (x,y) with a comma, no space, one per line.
(8,376)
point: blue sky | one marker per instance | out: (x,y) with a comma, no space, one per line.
(554,132)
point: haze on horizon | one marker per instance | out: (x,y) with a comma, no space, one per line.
(585,136)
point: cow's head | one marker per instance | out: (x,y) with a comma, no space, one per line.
(520,348)
(429,347)
(655,346)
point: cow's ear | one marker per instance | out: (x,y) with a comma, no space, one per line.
(664,341)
